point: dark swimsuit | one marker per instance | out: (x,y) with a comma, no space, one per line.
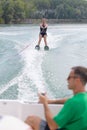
(43,31)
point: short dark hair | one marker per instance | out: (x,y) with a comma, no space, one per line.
(82,72)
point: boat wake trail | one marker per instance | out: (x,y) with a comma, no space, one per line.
(31,80)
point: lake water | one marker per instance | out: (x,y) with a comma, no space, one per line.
(24,71)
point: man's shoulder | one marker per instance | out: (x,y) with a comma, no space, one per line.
(77,98)
(71,100)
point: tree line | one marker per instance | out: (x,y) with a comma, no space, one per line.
(14,11)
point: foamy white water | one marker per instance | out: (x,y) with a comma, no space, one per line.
(25,71)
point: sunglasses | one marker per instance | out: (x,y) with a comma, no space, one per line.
(71,77)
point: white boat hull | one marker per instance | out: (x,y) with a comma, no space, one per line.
(23,109)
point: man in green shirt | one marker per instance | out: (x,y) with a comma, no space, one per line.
(73,115)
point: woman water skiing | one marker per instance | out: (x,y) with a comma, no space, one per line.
(43,34)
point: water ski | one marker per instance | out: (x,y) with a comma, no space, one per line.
(37,47)
(46,48)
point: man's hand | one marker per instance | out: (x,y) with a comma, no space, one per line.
(43,98)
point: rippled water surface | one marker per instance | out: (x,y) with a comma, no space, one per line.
(24,71)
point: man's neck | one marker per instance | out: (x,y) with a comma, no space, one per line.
(79,91)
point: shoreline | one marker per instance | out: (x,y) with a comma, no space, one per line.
(55,21)
(50,21)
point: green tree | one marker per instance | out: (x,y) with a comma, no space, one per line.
(30,9)
(1,12)
(19,12)
(8,10)
(16,10)
(13,10)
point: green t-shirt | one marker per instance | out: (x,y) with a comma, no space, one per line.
(73,116)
